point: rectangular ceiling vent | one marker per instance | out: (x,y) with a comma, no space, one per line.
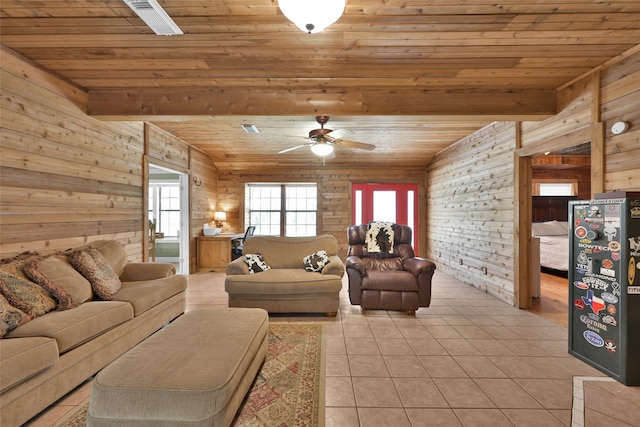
(250,128)
(154,16)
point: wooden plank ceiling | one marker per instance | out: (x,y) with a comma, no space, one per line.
(411,77)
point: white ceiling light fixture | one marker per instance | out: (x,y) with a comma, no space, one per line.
(154,16)
(312,16)
(322,148)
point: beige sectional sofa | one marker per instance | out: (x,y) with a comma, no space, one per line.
(287,286)
(48,356)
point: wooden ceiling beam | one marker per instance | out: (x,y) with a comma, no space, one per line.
(176,102)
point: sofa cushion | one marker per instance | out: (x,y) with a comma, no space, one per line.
(287,252)
(316,261)
(71,328)
(114,253)
(147,294)
(256,263)
(10,317)
(97,270)
(53,273)
(23,358)
(22,293)
(282,282)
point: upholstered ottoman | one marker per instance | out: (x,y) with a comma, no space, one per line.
(194,372)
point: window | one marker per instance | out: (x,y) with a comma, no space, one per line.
(282,209)
(557,187)
(164,207)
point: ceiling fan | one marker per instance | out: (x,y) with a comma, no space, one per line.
(322,141)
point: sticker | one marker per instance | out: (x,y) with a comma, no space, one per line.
(633,290)
(592,324)
(632,270)
(581,232)
(578,304)
(607,263)
(610,232)
(614,246)
(594,317)
(610,346)
(593,338)
(580,285)
(596,304)
(616,288)
(609,297)
(595,283)
(634,246)
(594,211)
(611,309)
(635,212)
(615,256)
(607,272)
(609,320)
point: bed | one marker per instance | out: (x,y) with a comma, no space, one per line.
(554,244)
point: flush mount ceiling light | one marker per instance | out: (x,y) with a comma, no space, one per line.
(322,149)
(154,16)
(312,16)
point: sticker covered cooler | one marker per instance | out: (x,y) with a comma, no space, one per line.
(604,284)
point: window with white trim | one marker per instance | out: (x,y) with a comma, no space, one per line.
(278,209)
(556,187)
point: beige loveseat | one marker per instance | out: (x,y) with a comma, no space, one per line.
(48,356)
(287,287)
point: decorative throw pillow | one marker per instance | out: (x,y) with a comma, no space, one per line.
(29,297)
(57,276)
(256,263)
(316,261)
(95,268)
(10,317)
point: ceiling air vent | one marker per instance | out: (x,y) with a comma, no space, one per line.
(154,16)
(250,128)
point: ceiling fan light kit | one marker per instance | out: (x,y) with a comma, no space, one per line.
(322,149)
(312,16)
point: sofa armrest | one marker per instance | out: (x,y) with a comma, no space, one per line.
(138,271)
(237,266)
(355,263)
(335,266)
(418,265)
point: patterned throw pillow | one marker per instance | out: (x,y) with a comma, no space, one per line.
(256,263)
(316,261)
(10,317)
(97,270)
(29,297)
(58,277)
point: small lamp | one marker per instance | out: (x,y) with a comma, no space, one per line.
(218,217)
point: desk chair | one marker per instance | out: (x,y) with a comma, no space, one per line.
(237,245)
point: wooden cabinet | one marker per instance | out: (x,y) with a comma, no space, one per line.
(214,252)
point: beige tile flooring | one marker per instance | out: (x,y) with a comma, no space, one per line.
(468,360)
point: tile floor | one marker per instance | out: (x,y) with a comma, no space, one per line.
(468,360)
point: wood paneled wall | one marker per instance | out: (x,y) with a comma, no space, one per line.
(67,179)
(334,186)
(470,210)
(620,97)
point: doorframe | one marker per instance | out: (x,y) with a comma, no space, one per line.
(185,197)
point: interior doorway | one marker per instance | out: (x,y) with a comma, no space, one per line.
(556,178)
(386,202)
(168,210)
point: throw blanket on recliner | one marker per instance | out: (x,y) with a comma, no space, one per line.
(380,237)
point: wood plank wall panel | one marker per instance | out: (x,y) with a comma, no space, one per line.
(171,151)
(470,200)
(334,186)
(620,89)
(203,198)
(66,178)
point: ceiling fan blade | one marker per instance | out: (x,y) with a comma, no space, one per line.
(354,144)
(338,133)
(292,148)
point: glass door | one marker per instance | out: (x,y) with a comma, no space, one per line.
(386,202)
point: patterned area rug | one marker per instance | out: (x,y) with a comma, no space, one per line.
(289,388)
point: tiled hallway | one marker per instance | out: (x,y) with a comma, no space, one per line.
(468,360)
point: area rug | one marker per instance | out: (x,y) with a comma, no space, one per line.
(289,388)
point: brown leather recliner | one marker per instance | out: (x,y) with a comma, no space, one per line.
(387,281)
